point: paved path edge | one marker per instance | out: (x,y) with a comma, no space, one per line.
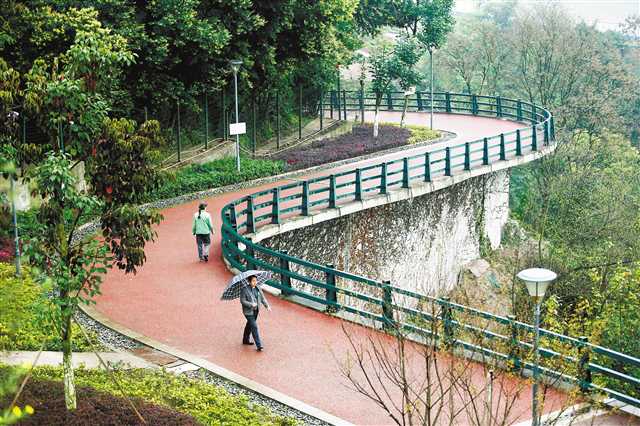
(217,370)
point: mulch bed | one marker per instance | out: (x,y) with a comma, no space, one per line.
(359,142)
(94,408)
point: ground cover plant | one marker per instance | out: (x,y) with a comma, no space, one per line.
(222,172)
(162,399)
(23,320)
(359,142)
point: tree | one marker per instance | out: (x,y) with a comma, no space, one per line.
(429,21)
(66,95)
(408,56)
(383,69)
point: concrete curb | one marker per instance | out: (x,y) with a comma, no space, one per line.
(217,370)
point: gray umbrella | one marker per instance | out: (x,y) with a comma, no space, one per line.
(235,285)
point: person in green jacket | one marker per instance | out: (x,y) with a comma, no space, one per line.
(202,229)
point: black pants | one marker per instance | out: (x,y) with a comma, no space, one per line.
(252,327)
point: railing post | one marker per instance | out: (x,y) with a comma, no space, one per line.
(447,97)
(584,373)
(518,144)
(419,98)
(383,178)
(358,185)
(305,198)
(206,120)
(331,295)
(285,280)
(514,349)
(389,101)
(275,206)
(179,137)
(447,161)
(223,108)
(427,167)
(474,104)
(361,104)
(546,132)
(485,152)
(331,100)
(503,148)
(387,306)
(278,120)
(254,130)
(321,110)
(233,219)
(405,172)
(338,97)
(251,227)
(467,156)
(552,129)
(300,111)
(534,117)
(534,138)
(447,324)
(249,254)
(332,192)
(519,110)
(344,104)
(236,254)
(498,106)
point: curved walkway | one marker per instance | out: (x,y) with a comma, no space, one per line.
(174,299)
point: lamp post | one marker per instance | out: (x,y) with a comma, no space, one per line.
(13,119)
(537,281)
(235,66)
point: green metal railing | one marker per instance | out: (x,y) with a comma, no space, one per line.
(591,367)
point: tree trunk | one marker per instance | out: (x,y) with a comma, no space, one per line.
(404,110)
(69,382)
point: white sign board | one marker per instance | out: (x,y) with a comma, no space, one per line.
(237,129)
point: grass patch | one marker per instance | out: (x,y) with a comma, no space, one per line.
(206,403)
(24,320)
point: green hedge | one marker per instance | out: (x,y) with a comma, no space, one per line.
(23,319)
(209,404)
(217,173)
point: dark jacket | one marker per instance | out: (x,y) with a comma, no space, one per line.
(248,300)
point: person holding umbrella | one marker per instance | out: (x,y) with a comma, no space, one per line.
(247,286)
(202,229)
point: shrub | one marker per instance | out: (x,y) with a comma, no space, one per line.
(23,317)
(207,403)
(217,173)
(421,134)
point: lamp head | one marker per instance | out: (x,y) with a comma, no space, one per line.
(235,64)
(537,280)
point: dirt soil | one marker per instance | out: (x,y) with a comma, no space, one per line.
(94,408)
(359,142)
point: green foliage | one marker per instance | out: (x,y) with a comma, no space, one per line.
(24,321)
(9,383)
(418,133)
(214,174)
(209,404)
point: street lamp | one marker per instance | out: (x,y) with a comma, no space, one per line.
(537,281)
(235,66)
(13,119)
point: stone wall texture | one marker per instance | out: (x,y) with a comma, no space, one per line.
(419,244)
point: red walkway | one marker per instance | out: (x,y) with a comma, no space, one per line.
(174,299)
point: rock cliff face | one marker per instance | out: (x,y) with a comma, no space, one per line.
(419,244)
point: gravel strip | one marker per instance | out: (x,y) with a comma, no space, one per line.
(255,398)
(106,336)
(116,341)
